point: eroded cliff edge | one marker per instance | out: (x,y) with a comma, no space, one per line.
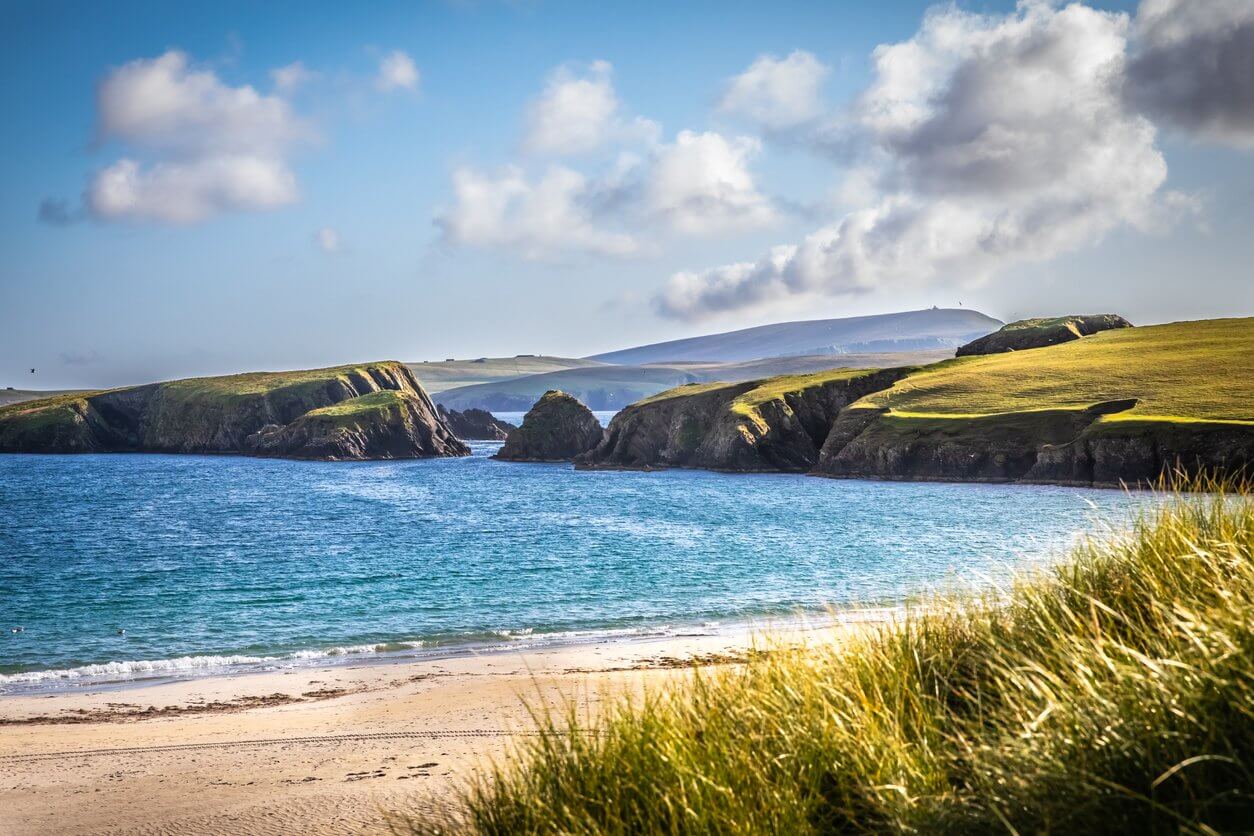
(777,424)
(367,411)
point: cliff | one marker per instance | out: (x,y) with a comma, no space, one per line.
(373,410)
(1121,406)
(476,424)
(777,424)
(557,428)
(1124,406)
(1038,333)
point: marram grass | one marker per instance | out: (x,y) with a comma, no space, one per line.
(1111,694)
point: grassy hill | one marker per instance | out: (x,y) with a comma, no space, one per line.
(366,410)
(1118,406)
(935,328)
(1184,371)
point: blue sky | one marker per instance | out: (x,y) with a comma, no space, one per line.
(666,169)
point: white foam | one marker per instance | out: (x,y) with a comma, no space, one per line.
(182,664)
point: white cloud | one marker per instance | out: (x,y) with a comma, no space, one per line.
(186,192)
(778,93)
(162,103)
(579,112)
(397,71)
(292,76)
(1004,139)
(328,240)
(542,220)
(1192,67)
(701,184)
(216,148)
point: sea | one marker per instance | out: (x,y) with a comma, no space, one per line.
(125,569)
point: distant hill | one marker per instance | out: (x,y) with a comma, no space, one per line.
(935,328)
(8,396)
(438,375)
(604,387)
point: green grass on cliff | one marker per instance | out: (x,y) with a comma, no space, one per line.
(355,409)
(1111,694)
(257,383)
(768,389)
(1184,371)
(775,388)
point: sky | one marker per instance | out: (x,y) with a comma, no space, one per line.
(207,188)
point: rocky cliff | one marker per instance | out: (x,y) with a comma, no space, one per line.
(777,424)
(557,428)
(476,424)
(373,410)
(1041,332)
(1065,447)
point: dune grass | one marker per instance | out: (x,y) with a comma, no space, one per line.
(1184,370)
(1113,693)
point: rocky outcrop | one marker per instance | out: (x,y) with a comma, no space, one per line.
(1038,333)
(1135,452)
(557,428)
(322,413)
(778,424)
(1067,447)
(476,424)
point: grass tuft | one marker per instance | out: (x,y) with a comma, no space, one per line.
(1113,693)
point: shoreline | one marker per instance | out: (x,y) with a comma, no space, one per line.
(149,673)
(323,748)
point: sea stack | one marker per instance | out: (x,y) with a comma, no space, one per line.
(556,429)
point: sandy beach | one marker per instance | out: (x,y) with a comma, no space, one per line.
(327,749)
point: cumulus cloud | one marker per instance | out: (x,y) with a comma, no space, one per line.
(328,240)
(778,93)
(214,148)
(397,71)
(701,184)
(541,219)
(579,112)
(186,192)
(1003,138)
(1192,67)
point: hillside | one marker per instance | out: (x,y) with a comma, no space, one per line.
(366,411)
(606,387)
(438,376)
(935,328)
(1118,406)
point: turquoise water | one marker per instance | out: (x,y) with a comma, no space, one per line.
(220,563)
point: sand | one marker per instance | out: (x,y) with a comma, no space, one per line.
(328,749)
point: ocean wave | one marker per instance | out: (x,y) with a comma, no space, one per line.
(182,665)
(208,665)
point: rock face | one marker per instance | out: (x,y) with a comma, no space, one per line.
(1063,447)
(374,410)
(476,424)
(557,428)
(778,424)
(1038,333)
